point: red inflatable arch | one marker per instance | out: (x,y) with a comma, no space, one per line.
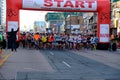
(100,6)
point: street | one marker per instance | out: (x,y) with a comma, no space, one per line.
(59,39)
(26,64)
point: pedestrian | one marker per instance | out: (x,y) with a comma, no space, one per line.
(12,37)
(1,46)
(1,38)
(23,40)
(44,40)
(51,39)
(118,40)
(37,38)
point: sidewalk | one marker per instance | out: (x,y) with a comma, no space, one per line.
(110,58)
(24,60)
(5,55)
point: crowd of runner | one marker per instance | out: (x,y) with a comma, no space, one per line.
(57,41)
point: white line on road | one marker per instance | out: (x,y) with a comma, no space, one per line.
(51,53)
(66,64)
(31,69)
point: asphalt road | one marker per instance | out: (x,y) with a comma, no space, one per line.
(24,60)
(76,67)
(56,65)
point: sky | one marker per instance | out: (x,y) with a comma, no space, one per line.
(27,18)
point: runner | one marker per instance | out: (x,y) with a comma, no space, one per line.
(79,44)
(55,44)
(71,41)
(23,40)
(37,40)
(84,41)
(29,38)
(94,41)
(74,41)
(50,40)
(63,41)
(44,41)
(58,40)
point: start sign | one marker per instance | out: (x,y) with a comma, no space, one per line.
(102,7)
(61,4)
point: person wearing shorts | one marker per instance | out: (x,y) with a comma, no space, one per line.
(71,41)
(58,40)
(50,40)
(44,40)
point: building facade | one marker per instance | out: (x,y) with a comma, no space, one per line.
(55,22)
(73,22)
(115,18)
(2,14)
(89,23)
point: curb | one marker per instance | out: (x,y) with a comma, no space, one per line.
(5,59)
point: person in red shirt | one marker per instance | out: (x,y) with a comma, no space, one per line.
(50,40)
(23,40)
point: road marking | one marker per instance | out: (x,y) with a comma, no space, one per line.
(31,69)
(51,53)
(27,68)
(5,58)
(66,64)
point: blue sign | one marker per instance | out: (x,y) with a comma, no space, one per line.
(59,24)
